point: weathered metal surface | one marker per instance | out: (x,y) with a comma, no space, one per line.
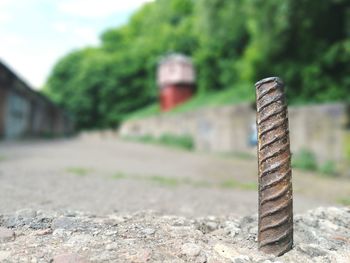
(275,230)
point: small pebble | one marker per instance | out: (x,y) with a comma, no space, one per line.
(190,249)
(6,235)
(68,258)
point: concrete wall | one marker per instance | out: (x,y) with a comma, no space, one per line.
(3,96)
(26,113)
(17,112)
(320,128)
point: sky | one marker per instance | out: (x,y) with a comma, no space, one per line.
(36,33)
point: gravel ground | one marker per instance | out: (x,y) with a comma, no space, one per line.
(108,175)
(321,235)
(197,207)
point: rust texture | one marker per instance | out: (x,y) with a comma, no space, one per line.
(275,230)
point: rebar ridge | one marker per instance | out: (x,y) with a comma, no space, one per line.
(275,230)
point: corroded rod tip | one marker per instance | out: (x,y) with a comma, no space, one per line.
(269,79)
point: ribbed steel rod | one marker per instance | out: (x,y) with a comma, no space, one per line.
(275,230)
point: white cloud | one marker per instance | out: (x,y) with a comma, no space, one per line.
(4,3)
(57,27)
(75,30)
(30,63)
(98,8)
(4,18)
(4,11)
(85,34)
(11,40)
(60,27)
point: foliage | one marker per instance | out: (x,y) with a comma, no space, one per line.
(207,99)
(305,160)
(233,44)
(150,110)
(184,141)
(328,168)
(347,143)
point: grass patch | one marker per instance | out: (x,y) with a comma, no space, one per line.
(3,158)
(162,180)
(177,141)
(200,184)
(328,169)
(174,182)
(119,175)
(183,142)
(79,171)
(214,99)
(238,185)
(143,138)
(344,201)
(201,100)
(148,111)
(306,160)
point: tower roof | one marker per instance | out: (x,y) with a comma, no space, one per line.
(176,57)
(175,69)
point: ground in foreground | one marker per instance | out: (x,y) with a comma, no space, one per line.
(321,235)
(105,175)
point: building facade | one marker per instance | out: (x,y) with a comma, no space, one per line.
(176,80)
(26,113)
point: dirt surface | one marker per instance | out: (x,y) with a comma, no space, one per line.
(105,176)
(321,235)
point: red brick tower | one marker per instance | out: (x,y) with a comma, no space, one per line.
(176,80)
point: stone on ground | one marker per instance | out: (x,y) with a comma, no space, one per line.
(321,235)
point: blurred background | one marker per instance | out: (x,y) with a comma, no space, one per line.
(132,105)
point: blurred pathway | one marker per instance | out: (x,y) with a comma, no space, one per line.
(109,175)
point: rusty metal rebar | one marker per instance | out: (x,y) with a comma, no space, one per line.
(275,229)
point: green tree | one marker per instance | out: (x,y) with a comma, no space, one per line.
(233,44)
(222,34)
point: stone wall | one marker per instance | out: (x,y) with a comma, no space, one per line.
(322,129)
